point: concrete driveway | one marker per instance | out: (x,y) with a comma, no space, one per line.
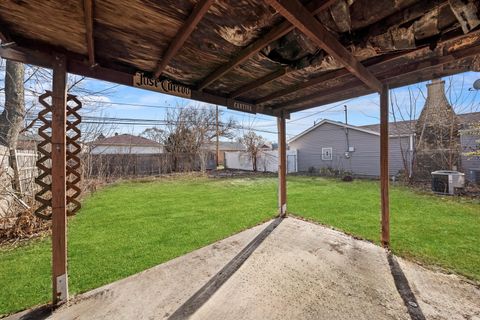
(283,269)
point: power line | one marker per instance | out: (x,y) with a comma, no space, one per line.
(321,111)
(142,122)
(207,106)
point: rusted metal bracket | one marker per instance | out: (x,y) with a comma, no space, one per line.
(73,168)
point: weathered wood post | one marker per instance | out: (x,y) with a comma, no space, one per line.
(59,215)
(282,167)
(384,179)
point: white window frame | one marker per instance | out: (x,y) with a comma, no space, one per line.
(325,156)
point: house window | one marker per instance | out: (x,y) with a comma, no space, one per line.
(326,153)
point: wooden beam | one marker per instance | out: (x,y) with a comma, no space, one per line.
(200,9)
(304,85)
(88,15)
(389,75)
(399,81)
(408,14)
(302,19)
(384,176)
(282,167)
(77,66)
(259,82)
(376,64)
(59,212)
(315,7)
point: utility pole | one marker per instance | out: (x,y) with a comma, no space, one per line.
(218,142)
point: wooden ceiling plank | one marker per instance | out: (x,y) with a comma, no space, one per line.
(200,9)
(303,20)
(88,15)
(315,7)
(410,13)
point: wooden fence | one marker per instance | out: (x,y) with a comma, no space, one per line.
(25,170)
(124,165)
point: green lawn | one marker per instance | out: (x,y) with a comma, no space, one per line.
(129,227)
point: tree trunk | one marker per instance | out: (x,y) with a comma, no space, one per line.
(13,114)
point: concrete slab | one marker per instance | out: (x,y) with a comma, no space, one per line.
(300,271)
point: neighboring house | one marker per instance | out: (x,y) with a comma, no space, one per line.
(125,144)
(357,148)
(331,144)
(225,146)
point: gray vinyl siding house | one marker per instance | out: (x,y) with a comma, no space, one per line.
(470,163)
(363,158)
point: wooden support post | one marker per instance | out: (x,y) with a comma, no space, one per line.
(282,167)
(217,153)
(384,179)
(59,214)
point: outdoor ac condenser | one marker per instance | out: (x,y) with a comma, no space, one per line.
(447,182)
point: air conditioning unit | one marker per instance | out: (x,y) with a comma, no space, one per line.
(447,182)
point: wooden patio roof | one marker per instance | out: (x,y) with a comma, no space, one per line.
(267,56)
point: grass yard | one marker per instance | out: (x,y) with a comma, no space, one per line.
(129,227)
(440,231)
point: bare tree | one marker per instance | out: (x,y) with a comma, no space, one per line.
(154,134)
(11,119)
(189,131)
(253,144)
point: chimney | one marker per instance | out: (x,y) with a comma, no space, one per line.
(436,133)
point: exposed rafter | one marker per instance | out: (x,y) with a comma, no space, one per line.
(303,85)
(88,14)
(394,78)
(349,93)
(200,9)
(303,20)
(76,65)
(375,65)
(258,82)
(315,7)
(414,11)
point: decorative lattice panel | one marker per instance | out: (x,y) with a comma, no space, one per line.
(44,162)
(73,153)
(44,179)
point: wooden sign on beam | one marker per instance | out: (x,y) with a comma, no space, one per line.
(164,86)
(241,106)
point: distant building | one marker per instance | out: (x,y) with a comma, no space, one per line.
(125,144)
(224,146)
(332,144)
